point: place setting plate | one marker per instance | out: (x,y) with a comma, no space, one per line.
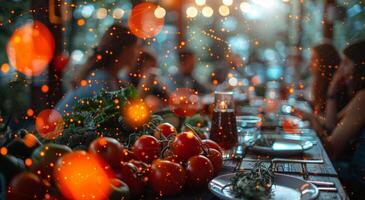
(285,187)
(276,146)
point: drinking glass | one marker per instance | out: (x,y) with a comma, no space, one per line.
(248,129)
(224,129)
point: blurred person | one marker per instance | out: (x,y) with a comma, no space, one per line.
(324,62)
(146,78)
(345,144)
(117,49)
(185,79)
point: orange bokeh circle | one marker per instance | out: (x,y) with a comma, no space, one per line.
(143,23)
(49,124)
(184,102)
(80,176)
(30,48)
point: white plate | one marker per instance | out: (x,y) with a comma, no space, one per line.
(283,147)
(284,188)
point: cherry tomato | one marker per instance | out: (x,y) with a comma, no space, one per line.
(166,177)
(143,169)
(200,171)
(211,144)
(127,155)
(120,190)
(108,149)
(216,158)
(146,148)
(26,185)
(165,129)
(128,173)
(186,145)
(173,158)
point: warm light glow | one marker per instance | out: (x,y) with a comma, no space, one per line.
(80,22)
(290,126)
(224,10)
(184,102)
(136,113)
(200,2)
(30,112)
(30,140)
(160,12)
(101,13)
(44,88)
(80,176)
(5,68)
(191,12)
(49,123)
(245,7)
(3,151)
(31,48)
(207,11)
(118,13)
(227,2)
(145,21)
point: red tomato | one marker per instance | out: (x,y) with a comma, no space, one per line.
(216,158)
(143,169)
(26,185)
(186,145)
(127,155)
(166,177)
(146,148)
(173,158)
(120,190)
(166,129)
(108,149)
(200,171)
(211,144)
(128,174)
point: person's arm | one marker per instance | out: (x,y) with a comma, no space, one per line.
(333,92)
(347,128)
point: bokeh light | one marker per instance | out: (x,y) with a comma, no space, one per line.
(200,2)
(118,13)
(80,176)
(143,21)
(224,10)
(31,48)
(207,11)
(290,126)
(191,12)
(5,68)
(160,12)
(101,13)
(184,102)
(136,113)
(227,2)
(49,124)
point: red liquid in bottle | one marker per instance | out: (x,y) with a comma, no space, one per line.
(224,129)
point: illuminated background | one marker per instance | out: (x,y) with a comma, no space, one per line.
(264,33)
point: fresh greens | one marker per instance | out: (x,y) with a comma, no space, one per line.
(254,184)
(102,116)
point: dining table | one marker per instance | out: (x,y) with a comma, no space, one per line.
(323,172)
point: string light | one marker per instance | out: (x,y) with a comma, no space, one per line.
(207,11)
(200,2)
(160,12)
(101,13)
(224,10)
(118,13)
(227,2)
(191,12)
